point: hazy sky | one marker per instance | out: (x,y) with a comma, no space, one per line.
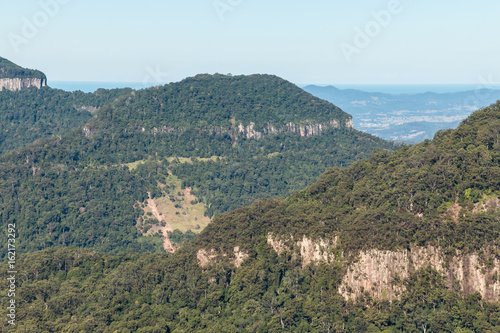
(313,41)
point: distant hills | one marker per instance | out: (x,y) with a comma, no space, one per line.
(409,118)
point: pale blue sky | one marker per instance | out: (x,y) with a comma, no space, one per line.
(422,42)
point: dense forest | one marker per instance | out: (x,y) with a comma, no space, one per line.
(32,114)
(389,201)
(9,70)
(77,190)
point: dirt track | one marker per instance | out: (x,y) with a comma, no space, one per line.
(167,245)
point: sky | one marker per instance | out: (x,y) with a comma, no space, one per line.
(306,42)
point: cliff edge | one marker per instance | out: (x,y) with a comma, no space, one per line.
(15,78)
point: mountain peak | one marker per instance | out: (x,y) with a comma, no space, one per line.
(14,77)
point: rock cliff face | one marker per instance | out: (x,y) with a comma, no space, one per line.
(308,249)
(304,130)
(249,131)
(378,272)
(20,84)
(208,257)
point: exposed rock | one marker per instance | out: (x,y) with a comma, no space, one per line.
(165,129)
(87,131)
(304,130)
(379,272)
(249,131)
(91,109)
(239,257)
(310,250)
(277,244)
(491,204)
(17,84)
(205,258)
(376,272)
(454,210)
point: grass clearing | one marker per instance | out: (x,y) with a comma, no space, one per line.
(176,209)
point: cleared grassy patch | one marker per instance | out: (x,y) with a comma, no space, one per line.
(134,165)
(176,209)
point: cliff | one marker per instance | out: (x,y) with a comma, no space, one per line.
(17,84)
(14,77)
(383,223)
(382,273)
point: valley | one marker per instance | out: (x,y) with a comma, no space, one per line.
(243,203)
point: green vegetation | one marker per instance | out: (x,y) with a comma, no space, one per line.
(178,238)
(45,184)
(9,70)
(80,205)
(93,207)
(392,200)
(213,102)
(33,114)
(388,201)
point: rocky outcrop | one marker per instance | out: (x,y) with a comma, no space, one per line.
(307,129)
(491,204)
(208,257)
(310,250)
(21,84)
(380,273)
(377,272)
(239,257)
(250,132)
(87,131)
(205,257)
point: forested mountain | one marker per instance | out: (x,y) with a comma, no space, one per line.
(32,114)
(9,70)
(246,137)
(403,241)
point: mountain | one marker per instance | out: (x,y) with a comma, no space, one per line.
(14,77)
(172,157)
(409,118)
(33,114)
(404,241)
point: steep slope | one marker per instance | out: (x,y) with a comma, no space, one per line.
(434,203)
(32,114)
(14,77)
(401,242)
(230,140)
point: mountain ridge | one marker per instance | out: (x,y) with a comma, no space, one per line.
(177,136)
(14,77)
(379,246)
